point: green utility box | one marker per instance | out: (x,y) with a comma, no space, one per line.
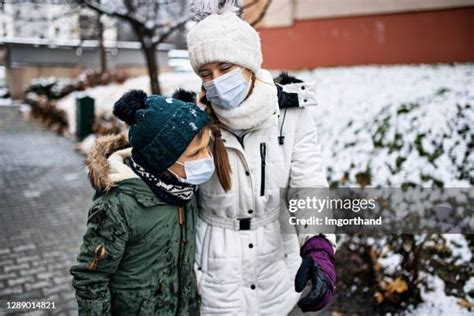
(85,115)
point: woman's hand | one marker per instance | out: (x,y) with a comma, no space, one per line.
(317,266)
(320,285)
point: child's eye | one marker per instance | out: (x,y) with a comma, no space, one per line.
(203,150)
(195,154)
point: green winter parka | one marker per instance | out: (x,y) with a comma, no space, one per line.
(137,253)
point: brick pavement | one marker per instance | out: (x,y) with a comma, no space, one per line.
(44,197)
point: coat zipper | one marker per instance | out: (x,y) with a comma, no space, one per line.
(244,160)
(263,155)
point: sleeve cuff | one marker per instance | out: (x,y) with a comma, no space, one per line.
(303,238)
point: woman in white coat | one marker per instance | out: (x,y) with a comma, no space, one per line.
(244,264)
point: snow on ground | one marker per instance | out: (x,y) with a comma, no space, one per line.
(459,247)
(391,262)
(435,302)
(5,102)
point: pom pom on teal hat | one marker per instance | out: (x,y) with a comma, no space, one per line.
(161,128)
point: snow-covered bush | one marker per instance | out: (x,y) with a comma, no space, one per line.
(399,126)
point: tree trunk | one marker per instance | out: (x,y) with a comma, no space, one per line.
(103,56)
(149,50)
(152,65)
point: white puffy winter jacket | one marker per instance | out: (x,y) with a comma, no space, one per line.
(248,267)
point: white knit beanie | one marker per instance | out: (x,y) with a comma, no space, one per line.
(224,38)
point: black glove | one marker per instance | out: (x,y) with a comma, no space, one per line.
(309,270)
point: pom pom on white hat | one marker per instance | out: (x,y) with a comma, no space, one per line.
(224,37)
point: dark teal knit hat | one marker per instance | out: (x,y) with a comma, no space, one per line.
(161,128)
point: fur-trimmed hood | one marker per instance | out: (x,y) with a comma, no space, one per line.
(105,162)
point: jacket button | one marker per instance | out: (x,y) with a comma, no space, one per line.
(247,173)
(250,245)
(252,286)
(199,268)
(302,87)
(250,211)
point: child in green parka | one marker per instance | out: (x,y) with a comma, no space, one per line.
(138,250)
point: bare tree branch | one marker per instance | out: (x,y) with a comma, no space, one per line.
(165,35)
(152,21)
(128,16)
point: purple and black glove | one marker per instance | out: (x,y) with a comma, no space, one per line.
(317,266)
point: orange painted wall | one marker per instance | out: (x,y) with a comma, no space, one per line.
(416,37)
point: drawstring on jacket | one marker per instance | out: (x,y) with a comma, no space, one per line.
(281,138)
(263,155)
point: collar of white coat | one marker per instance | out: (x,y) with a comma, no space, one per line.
(259,109)
(305,91)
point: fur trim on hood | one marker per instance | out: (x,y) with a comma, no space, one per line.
(105,162)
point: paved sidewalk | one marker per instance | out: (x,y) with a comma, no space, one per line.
(44,197)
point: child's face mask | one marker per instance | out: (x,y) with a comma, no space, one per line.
(197,171)
(227,91)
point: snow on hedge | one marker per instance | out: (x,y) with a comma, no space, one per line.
(403,124)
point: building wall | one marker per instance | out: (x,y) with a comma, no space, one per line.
(437,36)
(310,9)
(283,13)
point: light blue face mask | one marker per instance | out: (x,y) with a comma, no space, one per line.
(227,91)
(197,171)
